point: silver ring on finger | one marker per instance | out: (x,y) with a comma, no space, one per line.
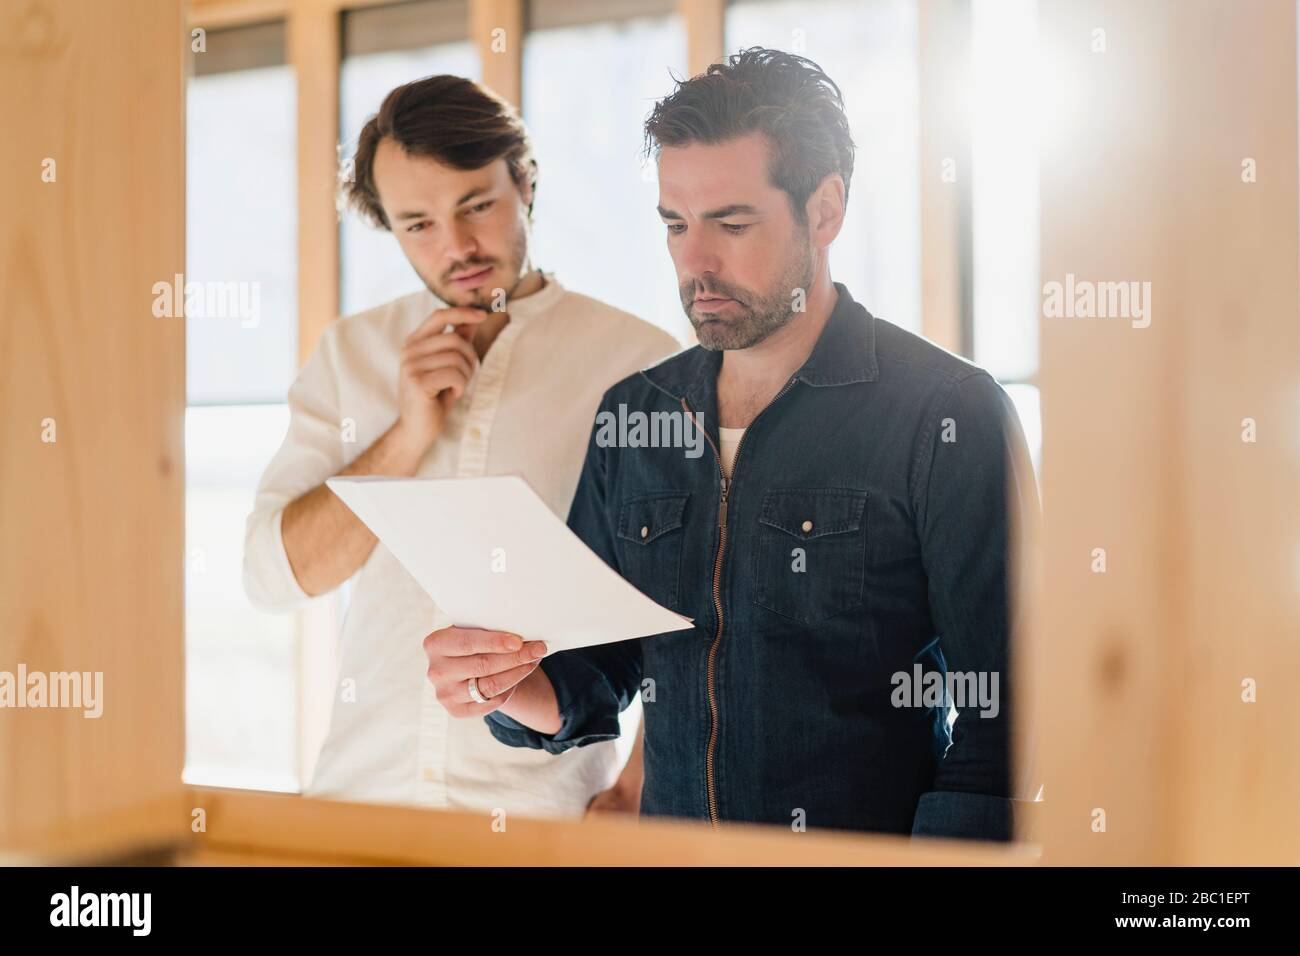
(474,692)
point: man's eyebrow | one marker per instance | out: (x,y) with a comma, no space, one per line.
(735,209)
(722,212)
(472,194)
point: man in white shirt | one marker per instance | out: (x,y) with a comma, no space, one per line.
(494,368)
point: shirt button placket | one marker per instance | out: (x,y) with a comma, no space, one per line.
(484,400)
(432,756)
(483,403)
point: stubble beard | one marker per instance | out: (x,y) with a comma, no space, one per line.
(760,314)
(484,297)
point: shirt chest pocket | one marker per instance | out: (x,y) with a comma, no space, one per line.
(651,532)
(810,552)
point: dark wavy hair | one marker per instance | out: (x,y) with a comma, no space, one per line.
(451,119)
(786,97)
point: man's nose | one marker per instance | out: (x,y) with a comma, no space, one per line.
(461,244)
(696,256)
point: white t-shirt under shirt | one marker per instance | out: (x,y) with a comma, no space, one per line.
(730,439)
(529,409)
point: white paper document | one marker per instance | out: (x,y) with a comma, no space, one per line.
(491,554)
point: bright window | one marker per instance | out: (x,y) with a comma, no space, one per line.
(870,50)
(241,720)
(1004,201)
(383,48)
(596,225)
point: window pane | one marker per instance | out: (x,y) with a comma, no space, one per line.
(241,349)
(240,705)
(596,225)
(241,242)
(1004,201)
(1026,400)
(870,50)
(372,267)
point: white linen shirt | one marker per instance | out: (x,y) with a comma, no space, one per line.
(530,409)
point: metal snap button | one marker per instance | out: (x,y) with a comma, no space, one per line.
(807,526)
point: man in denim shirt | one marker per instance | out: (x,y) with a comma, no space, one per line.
(842,545)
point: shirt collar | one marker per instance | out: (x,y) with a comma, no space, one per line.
(845,354)
(539,303)
(530,306)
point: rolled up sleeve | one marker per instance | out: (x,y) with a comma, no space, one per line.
(974,484)
(588,699)
(311,452)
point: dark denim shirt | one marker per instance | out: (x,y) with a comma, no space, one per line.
(866,535)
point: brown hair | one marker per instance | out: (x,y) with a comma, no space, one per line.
(786,97)
(452,120)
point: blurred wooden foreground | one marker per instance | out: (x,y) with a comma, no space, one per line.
(249,829)
(1130,688)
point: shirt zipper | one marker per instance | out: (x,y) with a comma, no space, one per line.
(717,591)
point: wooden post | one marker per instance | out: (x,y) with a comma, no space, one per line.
(314,50)
(92,404)
(496,28)
(1163,691)
(705,32)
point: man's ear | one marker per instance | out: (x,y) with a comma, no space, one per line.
(825,210)
(525,187)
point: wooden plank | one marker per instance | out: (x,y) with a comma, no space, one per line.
(496,28)
(705,32)
(219,14)
(249,828)
(91,548)
(314,45)
(246,825)
(156,828)
(1137,672)
(1239,768)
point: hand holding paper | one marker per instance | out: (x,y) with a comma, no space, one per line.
(492,555)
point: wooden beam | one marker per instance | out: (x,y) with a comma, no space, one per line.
(705,32)
(149,827)
(224,827)
(92,403)
(1159,114)
(248,825)
(496,28)
(221,14)
(314,50)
